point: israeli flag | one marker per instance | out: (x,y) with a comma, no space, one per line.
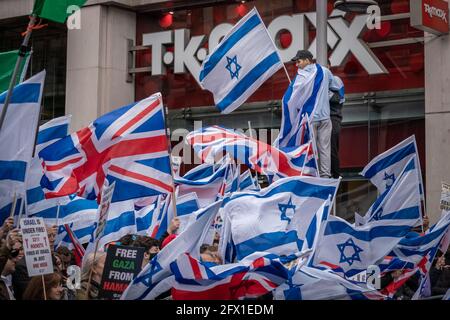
(314,284)
(83,230)
(401,201)
(241,63)
(414,248)
(385,168)
(277,218)
(351,250)
(17,138)
(247,182)
(145,285)
(49,132)
(77,209)
(205,180)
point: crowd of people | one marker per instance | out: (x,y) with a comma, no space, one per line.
(15,284)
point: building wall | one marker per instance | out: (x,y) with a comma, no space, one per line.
(97,63)
(437,119)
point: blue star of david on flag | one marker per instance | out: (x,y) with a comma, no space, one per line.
(388,177)
(283,209)
(147,278)
(377,214)
(351,258)
(237,67)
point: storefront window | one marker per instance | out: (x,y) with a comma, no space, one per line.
(49,52)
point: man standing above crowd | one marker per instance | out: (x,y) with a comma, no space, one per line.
(317,103)
(337,100)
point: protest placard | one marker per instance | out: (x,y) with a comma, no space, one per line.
(122,265)
(36,247)
(445,196)
(103,208)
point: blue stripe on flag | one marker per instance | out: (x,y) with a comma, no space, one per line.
(55,132)
(287,120)
(13,170)
(224,47)
(124,220)
(248,80)
(390,160)
(311,102)
(335,227)
(407,214)
(266,241)
(23,93)
(34,195)
(187,207)
(298,188)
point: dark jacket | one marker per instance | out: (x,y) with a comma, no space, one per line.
(336,106)
(20,278)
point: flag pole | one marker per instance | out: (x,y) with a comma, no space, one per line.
(169,147)
(21,55)
(13,206)
(57,213)
(43,287)
(20,210)
(306,158)
(251,136)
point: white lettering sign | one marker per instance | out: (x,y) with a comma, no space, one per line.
(36,247)
(343,38)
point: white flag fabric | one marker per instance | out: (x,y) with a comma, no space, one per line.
(387,166)
(350,250)
(402,201)
(277,219)
(17,138)
(142,287)
(239,65)
(49,132)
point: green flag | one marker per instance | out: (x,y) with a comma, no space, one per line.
(7,64)
(55,10)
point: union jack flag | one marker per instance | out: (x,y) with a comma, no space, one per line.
(128,146)
(252,277)
(264,158)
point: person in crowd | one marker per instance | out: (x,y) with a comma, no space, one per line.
(8,259)
(440,274)
(337,100)
(97,267)
(174,225)
(150,245)
(407,290)
(7,226)
(53,288)
(66,255)
(321,122)
(127,240)
(209,254)
(20,278)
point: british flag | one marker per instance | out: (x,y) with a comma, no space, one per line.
(128,146)
(252,277)
(262,157)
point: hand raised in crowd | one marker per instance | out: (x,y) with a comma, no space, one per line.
(13,237)
(440,263)
(173,226)
(7,226)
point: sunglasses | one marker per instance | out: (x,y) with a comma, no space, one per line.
(14,253)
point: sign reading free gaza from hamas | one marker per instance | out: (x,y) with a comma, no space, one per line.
(122,265)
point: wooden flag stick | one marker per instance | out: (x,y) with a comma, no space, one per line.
(20,210)
(43,287)
(91,269)
(251,136)
(173,200)
(13,206)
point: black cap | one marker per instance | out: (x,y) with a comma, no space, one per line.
(303,54)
